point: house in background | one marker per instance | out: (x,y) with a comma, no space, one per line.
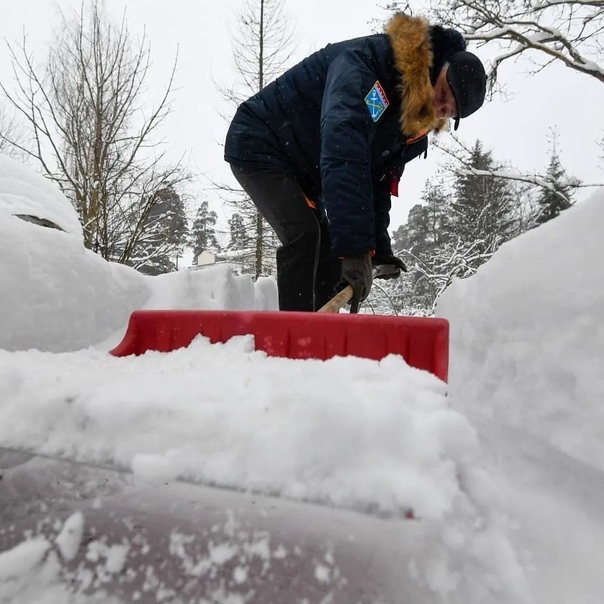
(206,258)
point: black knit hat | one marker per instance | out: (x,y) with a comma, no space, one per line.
(468,81)
(444,42)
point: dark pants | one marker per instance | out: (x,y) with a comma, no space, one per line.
(307,274)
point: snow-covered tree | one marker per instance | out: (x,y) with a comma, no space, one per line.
(240,249)
(570,32)
(455,229)
(484,211)
(90,131)
(203,231)
(163,234)
(557,194)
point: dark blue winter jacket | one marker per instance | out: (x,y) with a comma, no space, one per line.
(343,123)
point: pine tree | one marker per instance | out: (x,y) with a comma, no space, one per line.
(422,241)
(240,237)
(203,231)
(454,231)
(165,234)
(240,249)
(485,207)
(557,195)
(428,224)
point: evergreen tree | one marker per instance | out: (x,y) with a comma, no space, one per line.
(240,238)
(203,231)
(454,231)
(485,210)
(240,249)
(557,195)
(428,224)
(165,233)
(422,241)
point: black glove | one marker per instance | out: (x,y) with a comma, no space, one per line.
(391,266)
(357,271)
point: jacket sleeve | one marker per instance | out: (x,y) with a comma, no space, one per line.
(382,204)
(347,130)
(383,200)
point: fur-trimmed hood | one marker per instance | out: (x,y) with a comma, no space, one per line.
(410,41)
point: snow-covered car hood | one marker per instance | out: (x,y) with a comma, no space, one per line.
(93,532)
(29,195)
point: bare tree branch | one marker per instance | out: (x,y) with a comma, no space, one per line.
(536,180)
(567,31)
(261,49)
(90,130)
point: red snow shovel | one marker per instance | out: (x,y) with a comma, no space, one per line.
(423,342)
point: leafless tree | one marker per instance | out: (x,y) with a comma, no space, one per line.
(9,131)
(570,32)
(262,47)
(91,133)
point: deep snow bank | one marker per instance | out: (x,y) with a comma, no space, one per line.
(59,296)
(527,333)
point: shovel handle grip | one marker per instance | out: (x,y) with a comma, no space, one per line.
(338,301)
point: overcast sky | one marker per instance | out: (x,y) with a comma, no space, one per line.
(515,128)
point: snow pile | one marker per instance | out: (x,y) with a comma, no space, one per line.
(502,516)
(56,294)
(59,296)
(376,437)
(24,192)
(227,415)
(527,334)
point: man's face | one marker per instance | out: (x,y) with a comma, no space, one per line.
(444,101)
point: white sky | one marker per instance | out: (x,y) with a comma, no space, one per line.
(516,128)
(503,467)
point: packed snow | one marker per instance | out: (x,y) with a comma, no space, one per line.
(501,467)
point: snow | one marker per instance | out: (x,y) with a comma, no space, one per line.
(58,296)
(539,335)
(502,467)
(206,398)
(24,192)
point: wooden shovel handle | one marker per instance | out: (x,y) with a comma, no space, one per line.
(338,301)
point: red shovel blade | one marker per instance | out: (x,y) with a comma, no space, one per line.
(422,341)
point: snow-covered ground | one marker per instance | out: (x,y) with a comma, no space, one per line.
(218,474)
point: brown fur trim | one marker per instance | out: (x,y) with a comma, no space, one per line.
(410,40)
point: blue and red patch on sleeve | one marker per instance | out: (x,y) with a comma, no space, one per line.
(377,102)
